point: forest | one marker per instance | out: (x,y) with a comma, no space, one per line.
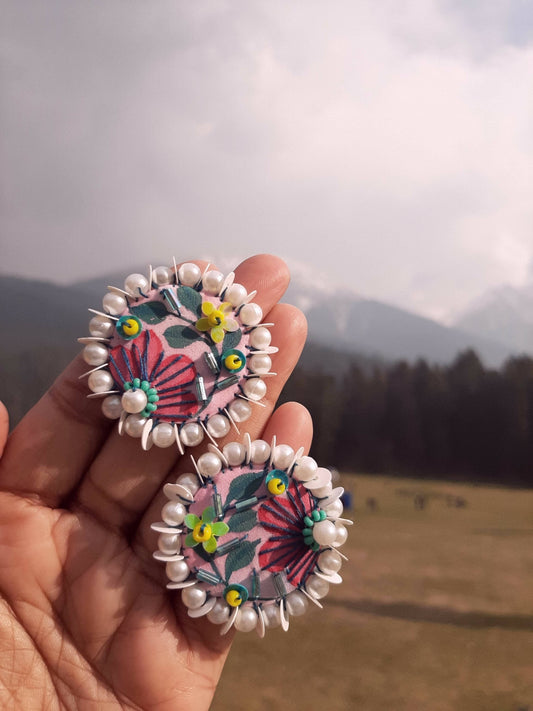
(460,421)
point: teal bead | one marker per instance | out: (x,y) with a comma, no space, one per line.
(308,521)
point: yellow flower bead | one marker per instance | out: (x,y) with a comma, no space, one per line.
(233,598)
(216,318)
(202,532)
(276,486)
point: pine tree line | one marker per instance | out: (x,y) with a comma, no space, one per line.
(460,421)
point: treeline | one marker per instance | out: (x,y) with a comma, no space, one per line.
(459,421)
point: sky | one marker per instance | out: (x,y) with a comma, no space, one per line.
(383,147)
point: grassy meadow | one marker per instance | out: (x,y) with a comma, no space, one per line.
(435,612)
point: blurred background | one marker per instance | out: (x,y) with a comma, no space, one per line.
(385,150)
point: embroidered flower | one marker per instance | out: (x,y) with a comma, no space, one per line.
(215,320)
(204,530)
(287,548)
(154,381)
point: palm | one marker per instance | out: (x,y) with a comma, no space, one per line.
(87,620)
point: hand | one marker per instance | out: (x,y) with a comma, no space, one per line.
(87,622)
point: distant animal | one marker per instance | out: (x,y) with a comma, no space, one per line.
(419,502)
(372,504)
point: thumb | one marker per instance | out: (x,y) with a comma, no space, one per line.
(4,427)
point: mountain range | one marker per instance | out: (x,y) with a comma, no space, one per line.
(42,320)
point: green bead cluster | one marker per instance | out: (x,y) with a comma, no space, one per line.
(151,394)
(316,516)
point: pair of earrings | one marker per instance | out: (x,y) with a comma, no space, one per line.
(252,535)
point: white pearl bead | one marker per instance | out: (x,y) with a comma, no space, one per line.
(112,407)
(260,451)
(100,381)
(173,513)
(260,364)
(114,303)
(323,491)
(189,481)
(101,327)
(260,338)
(95,354)
(305,469)
(234,453)
(135,284)
(193,597)
(209,464)
(251,314)
(317,587)
(271,615)
(246,619)
(189,274)
(191,434)
(329,562)
(335,509)
(163,275)
(134,424)
(163,435)
(220,612)
(212,281)
(255,388)
(324,532)
(169,543)
(218,426)
(178,571)
(134,401)
(235,294)
(240,410)
(297,603)
(283,456)
(342,534)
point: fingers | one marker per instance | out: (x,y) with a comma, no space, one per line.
(291,424)
(52,445)
(4,427)
(122,480)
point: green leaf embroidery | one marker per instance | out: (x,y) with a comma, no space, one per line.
(231,340)
(242,521)
(151,312)
(240,557)
(244,486)
(180,336)
(191,299)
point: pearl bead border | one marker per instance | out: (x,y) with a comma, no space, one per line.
(196,598)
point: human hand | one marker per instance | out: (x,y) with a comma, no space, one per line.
(87,622)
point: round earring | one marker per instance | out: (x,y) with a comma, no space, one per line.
(252,536)
(178,356)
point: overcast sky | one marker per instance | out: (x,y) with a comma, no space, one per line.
(387,144)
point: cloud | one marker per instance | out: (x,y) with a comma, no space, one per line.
(387,145)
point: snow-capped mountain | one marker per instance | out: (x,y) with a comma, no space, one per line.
(504,314)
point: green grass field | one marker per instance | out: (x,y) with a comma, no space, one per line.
(435,612)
